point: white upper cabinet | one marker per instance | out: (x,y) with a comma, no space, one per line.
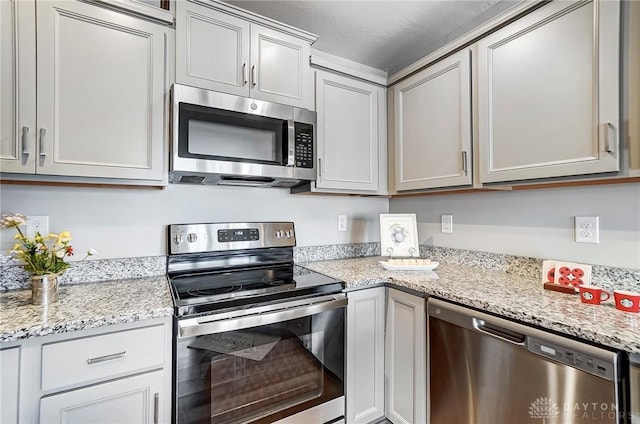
(433,126)
(99,108)
(101,86)
(17,86)
(548,90)
(222,52)
(351,134)
(212,49)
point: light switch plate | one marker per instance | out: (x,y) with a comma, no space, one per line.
(447,223)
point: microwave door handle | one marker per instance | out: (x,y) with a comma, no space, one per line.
(291,142)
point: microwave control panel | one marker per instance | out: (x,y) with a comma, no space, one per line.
(304,145)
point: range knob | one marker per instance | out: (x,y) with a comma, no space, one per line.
(192,237)
(178,238)
(279,234)
(288,234)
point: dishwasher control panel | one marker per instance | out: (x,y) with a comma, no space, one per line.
(572,357)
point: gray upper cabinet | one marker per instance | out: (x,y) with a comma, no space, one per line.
(548,90)
(433,126)
(222,52)
(351,134)
(101,79)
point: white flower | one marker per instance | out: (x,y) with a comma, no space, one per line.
(91,252)
(60,253)
(13,220)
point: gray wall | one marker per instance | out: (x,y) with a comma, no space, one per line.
(122,222)
(536,223)
(131,222)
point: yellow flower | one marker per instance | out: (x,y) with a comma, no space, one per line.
(52,236)
(64,237)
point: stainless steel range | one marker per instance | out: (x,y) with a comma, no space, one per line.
(257,338)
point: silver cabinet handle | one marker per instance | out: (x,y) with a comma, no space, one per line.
(25,133)
(43,131)
(253,76)
(464,162)
(609,136)
(244,74)
(105,358)
(156,408)
(291,142)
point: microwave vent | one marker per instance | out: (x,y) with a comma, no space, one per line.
(191,179)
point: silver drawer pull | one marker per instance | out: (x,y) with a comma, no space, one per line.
(105,358)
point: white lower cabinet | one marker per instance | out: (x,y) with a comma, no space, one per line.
(365,355)
(129,400)
(405,359)
(115,374)
(386,357)
(9,384)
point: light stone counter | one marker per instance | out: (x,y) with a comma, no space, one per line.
(511,295)
(83,306)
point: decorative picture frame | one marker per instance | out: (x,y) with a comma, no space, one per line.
(399,235)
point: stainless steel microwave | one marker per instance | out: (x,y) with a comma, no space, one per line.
(222,139)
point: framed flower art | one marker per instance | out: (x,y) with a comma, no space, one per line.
(399,235)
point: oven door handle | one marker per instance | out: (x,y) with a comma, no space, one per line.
(210,325)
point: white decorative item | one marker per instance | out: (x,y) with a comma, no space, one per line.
(399,235)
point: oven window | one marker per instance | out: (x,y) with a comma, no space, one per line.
(261,374)
(217,134)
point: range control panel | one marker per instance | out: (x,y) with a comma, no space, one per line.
(240,234)
(195,238)
(573,358)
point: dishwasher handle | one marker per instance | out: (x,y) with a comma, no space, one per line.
(499,332)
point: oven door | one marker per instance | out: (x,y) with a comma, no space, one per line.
(263,364)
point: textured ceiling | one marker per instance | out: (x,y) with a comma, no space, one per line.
(387,35)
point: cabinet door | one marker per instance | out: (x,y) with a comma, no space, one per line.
(280,69)
(365,355)
(129,400)
(9,384)
(348,132)
(17,86)
(212,49)
(433,126)
(405,357)
(548,93)
(101,90)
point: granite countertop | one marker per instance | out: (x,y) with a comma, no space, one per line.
(509,295)
(83,306)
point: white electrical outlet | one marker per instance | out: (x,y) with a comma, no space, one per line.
(447,223)
(342,222)
(37,224)
(587,229)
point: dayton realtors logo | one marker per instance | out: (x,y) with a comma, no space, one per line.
(543,408)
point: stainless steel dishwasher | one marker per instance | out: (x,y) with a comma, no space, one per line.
(488,370)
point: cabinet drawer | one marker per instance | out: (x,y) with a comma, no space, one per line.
(96,358)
